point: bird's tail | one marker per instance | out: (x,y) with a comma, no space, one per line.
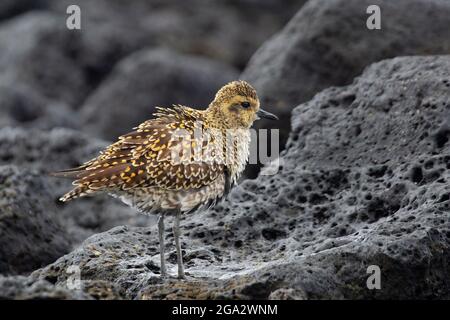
(80,190)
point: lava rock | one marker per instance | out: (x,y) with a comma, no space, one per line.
(109,31)
(11,8)
(24,288)
(58,149)
(48,70)
(327,44)
(31,234)
(22,106)
(148,79)
(100,258)
(191,27)
(52,69)
(364,181)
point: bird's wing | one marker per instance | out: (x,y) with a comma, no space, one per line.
(164,152)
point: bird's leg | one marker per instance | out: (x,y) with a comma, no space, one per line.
(161,244)
(176,235)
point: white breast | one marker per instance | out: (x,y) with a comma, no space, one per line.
(239,152)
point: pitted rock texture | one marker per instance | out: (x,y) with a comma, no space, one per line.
(327,44)
(148,79)
(49,151)
(31,233)
(364,181)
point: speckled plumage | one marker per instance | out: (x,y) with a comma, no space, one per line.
(178,161)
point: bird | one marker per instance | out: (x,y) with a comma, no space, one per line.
(176,163)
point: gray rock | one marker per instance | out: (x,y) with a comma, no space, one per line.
(22,106)
(59,149)
(147,79)
(364,181)
(23,288)
(109,31)
(10,8)
(37,51)
(101,258)
(31,235)
(214,30)
(327,44)
(222,30)
(48,70)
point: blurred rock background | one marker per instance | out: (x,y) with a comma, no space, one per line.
(365,171)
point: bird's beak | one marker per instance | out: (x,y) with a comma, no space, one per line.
(266,115)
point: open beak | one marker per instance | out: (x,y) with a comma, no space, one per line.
(266,115)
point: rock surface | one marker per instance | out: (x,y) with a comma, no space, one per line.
(11,8)
(147,79)
(327,44)
(220,30)
(31,233)
(43,37)
(364,181)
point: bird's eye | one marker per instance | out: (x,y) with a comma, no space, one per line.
(245,105)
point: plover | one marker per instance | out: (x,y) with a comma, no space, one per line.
(178,162)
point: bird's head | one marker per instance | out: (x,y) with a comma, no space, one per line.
(237,105)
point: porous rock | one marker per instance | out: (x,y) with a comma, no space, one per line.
(327,43)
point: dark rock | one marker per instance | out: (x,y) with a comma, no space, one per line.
(59,149)
(148,79)
(287,294)
(42,37)
(48,70)
(10,8)
(21,106)
(344,199)
(327,44)
(214,30)
(31,234)
(100,258)
(221,30)
(109,31)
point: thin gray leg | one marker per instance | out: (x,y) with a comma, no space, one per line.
(161,244)
(176,235)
